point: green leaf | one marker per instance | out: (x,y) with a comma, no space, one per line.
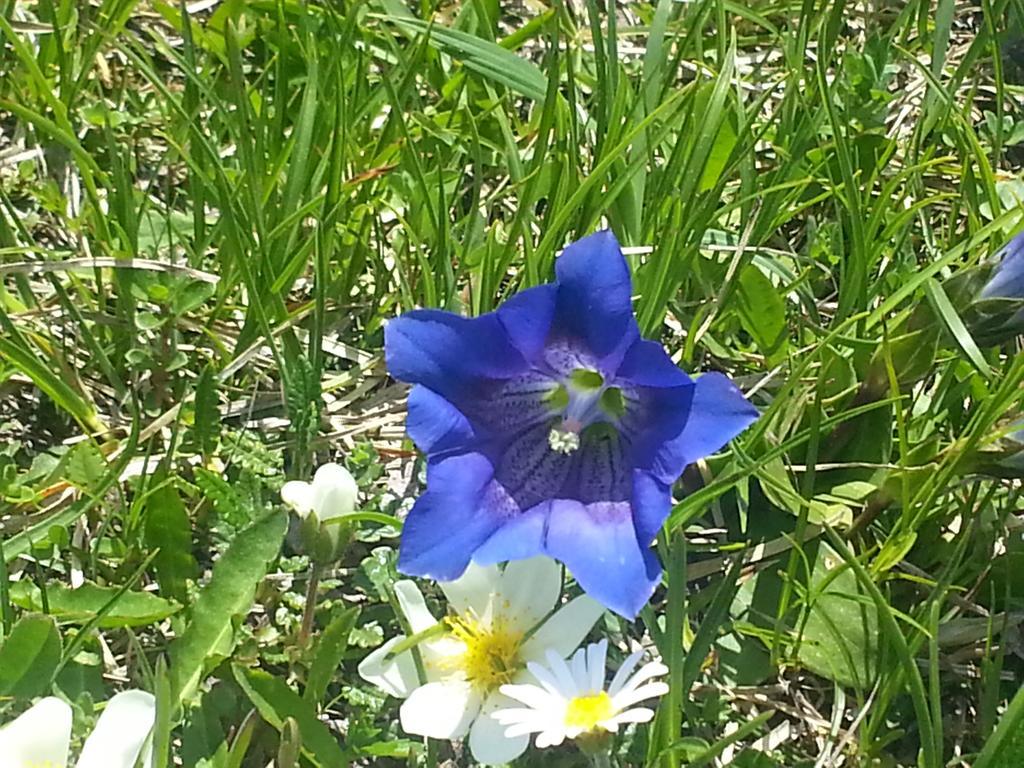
(277,702)
(81,605)
(762,313)
(1006,744)
(29,657)
(86,465)
(207,414)
(229,594)
(482,56)
(840,633)
(50,383)
(169,529)
(330,648)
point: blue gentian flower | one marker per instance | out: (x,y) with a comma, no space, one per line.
(551,428)
(1007,280)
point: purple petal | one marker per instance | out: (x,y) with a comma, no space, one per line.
(646,364)
(521,536)
(448,353)
(598,544)
(1007,281)
(450,520)
(527,318)
(717,413)
(652,501)
(434,424)
(594,292)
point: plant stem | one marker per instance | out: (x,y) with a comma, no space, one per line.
(309,610)
(601,760)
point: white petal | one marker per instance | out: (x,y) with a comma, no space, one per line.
(550,738)
(442,710)
(647,671)
(547,679)
(121,732)
(334,491)
(597,654)
(564,631)
(488,741)
(529,590)
(632,695)
(635,715)
(580,675)
(562,674)
(472,591)
(396,677)
(411,601)
(298,495)
(532,696)
(41,736)
(623,672)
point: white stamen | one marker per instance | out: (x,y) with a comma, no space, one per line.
(563,441)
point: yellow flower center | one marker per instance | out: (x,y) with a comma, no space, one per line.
(585,712)
(491,657)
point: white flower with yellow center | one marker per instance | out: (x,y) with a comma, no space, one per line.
(501,622)
(571,700)
(41,737)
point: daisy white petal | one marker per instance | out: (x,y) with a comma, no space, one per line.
(634,715)
(623,672)
(571,701)
(596,655)
(640,693)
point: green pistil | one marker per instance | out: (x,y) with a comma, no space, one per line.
(586,380)
(558,398)
(613,403)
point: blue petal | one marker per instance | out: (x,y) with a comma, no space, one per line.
(520,537)
(646,364)
(450,520)
(594,290)
(598,544)
(652,501)
(717,413)
(527,318)
(434,424)
(448,353)
(1008,279)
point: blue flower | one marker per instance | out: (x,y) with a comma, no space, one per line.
(551,428)
(1007,280)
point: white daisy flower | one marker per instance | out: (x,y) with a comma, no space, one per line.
(500,623)
(41,737)
(571,700)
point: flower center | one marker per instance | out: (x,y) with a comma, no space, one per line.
(583,399)
(586,712)
(491,657)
